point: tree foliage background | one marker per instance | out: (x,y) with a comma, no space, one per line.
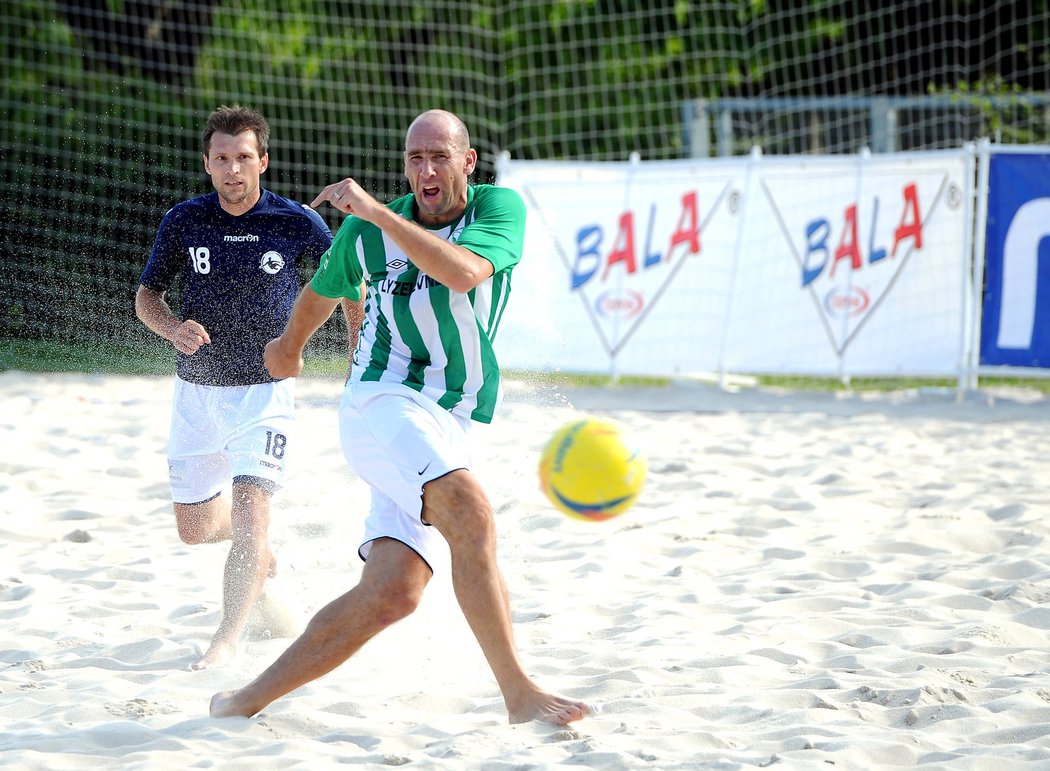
(102,101)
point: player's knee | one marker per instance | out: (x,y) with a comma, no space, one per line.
(462,513)
(399,599)
(471,526)
(394,600)
(202,522)
(398,606)
(193,532)
(478,522)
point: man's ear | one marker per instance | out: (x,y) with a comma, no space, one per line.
(470,161)
(264,163)
(206,169)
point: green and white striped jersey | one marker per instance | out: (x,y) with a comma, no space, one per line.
(416,331)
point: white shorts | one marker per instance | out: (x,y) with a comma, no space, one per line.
(397,440)
(220,433)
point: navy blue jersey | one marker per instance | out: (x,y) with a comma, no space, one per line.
(239,278)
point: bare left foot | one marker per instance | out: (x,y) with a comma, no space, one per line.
(549,708)
(226,704)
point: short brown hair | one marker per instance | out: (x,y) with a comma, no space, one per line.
(234,120)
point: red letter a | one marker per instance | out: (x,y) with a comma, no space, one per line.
(848,244)
(688,229)
(911,204)
(623,246)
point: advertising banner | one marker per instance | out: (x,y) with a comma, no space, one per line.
(818,265)
(1015,320)
(617,268)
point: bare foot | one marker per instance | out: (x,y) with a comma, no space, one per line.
(548,708)
(218,654)
(225,704)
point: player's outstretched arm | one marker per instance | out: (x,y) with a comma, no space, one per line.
(283,356)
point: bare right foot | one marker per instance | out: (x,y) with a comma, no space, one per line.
(549,708)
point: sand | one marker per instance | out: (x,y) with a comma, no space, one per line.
(808,581)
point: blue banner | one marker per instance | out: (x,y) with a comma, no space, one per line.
(1015,323)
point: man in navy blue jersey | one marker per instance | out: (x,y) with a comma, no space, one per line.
(239,254)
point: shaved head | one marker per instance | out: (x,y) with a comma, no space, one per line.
(456,128)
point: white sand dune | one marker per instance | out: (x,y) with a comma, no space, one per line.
(809,581)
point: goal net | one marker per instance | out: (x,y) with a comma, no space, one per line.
(102,105)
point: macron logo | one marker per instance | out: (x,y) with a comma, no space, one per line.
(240,238)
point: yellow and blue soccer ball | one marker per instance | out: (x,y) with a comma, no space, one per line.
(591,470)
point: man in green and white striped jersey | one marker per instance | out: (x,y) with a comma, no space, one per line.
(434,267)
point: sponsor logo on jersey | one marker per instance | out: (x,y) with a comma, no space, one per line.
(239,239)
(396,265)
(271,262)
(405,288)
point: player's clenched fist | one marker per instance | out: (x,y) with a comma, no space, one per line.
(282,360)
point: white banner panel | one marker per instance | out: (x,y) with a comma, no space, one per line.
(818,265)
